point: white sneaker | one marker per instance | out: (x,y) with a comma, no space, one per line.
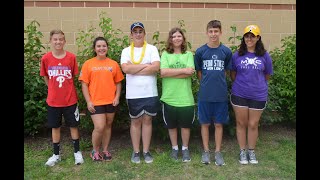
(53,160)
(78,159)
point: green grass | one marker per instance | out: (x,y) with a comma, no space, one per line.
(276,152)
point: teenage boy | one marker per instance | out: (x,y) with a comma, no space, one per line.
(212,63)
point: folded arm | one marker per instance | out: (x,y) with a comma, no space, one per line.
(176,73)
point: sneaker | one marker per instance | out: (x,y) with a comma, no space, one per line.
(95,156)
(147,157)
(106,155)
(205,158)
(186,155)
(135,158)
(53,160)
(174,154)
(78,159)
(252,157)
(243,157)
(219,159)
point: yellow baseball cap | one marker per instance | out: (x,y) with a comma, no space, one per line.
(254,29)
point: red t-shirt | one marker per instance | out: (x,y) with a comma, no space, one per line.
(61,72)
(101,77)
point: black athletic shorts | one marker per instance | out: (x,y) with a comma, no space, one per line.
(70,113)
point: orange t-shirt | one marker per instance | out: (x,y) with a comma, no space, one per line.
(101,77)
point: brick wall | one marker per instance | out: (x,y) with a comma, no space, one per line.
(275,18)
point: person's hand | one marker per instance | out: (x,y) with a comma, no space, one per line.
(189,71)
(90,107)
(115,102)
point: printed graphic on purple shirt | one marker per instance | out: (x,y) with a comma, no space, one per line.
(250,79)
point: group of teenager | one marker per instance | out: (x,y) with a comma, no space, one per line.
(249,68)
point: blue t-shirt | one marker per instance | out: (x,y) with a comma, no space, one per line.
(250,79)
(213,62)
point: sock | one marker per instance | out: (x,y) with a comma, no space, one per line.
(184,147)
(175,147)
(76,145)
(251,149)
(56,148)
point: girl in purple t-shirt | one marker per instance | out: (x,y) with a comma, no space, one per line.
(251,70)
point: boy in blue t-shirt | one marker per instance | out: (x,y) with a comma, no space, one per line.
(212,62)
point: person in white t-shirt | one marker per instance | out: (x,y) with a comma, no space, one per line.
(141,63)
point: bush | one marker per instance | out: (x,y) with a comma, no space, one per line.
(35,90)
(282,85)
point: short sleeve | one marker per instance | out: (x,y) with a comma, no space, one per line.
(164,60)
(268,64)
(84,74)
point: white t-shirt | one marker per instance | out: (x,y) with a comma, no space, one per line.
(141,86)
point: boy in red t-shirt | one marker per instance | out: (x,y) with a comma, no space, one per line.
(58,68)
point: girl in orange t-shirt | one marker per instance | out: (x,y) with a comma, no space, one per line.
(101,86)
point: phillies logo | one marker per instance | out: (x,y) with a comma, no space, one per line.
(60,79)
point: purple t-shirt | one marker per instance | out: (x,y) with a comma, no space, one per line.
(250,80)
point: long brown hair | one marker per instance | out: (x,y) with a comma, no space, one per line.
(169,46)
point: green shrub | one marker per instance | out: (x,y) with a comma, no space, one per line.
(282,86)
(35,90)
(233,39)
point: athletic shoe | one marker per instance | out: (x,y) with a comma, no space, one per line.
(186,155)
(135,158)
(95,156)
(147,157)
(252,157)
(243,157)
(53,160)
(219,159)
(78,159)
(205,158)
(106,155)
(174,154)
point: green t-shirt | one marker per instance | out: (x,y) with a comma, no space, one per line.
(177,91)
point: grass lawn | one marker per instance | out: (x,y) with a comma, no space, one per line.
(275,150)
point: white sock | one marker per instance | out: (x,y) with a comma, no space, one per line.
(175,147)
(184,148)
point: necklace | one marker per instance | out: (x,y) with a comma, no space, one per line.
(142,54)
